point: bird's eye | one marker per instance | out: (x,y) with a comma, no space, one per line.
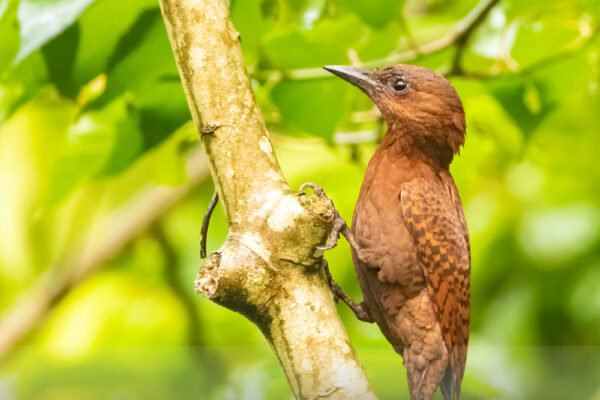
(400,85)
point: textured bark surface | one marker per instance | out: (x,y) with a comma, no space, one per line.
(268,268)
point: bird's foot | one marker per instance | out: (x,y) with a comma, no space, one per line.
(359,309)
(339,225)
(338,221)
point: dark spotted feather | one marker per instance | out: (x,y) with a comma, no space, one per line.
(433,213)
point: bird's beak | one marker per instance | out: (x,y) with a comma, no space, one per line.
(361,78)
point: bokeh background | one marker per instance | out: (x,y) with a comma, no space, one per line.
(103,187)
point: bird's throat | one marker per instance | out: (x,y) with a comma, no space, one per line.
(415,143)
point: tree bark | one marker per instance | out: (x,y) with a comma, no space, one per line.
(268,268)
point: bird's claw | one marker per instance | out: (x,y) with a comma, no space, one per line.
(318,190)
(338,225)
(329,246)
(338,222)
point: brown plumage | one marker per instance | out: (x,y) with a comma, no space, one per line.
(413,255)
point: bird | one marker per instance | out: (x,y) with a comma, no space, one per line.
(409,237)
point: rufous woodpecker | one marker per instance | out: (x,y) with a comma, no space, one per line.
(409,237)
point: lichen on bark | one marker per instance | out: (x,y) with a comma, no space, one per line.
(268,269)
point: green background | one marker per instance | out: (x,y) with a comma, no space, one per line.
(92,115)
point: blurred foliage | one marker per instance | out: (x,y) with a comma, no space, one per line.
(92,113)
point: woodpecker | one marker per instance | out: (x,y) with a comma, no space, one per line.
(409,237)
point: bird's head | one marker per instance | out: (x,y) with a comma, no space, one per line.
(421,107)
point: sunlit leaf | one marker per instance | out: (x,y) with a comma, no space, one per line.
(251,18)
(100,143)
(540,39)
(30,142)
(527,104)
(94,113)
(159,119)
(327,43)
(314,106)
(376,12)
(23,83)
(127,141)
(3,7)
(557,235)
(88,145)
(110,20)
(9,32)
(379,43)
(41,20)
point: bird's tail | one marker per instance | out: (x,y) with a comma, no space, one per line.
(450,385)
(424,375)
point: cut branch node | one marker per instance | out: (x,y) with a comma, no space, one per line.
(207,280)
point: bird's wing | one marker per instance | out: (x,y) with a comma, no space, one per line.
(433,214)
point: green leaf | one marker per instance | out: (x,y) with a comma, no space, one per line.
(533,9)
(490,122)
(21,83)
(578,67)
(134,37)
(251,19)
(160,118)
(378,43)
(540,39)
(31,143)
(127,137)
(3,7)
(248,20)
(327,43)
(143,65)
(376,13)
(531,99)
(110,20)
(102,142)
(9,32)
(142,58)
(525,102)
(167,161)
(88,144)
(41,20)
(314,106)
(59,55)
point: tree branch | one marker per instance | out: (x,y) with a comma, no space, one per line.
(172,265)
(578,45)
(459,34)
(268,268)
(31,310)
(471,22)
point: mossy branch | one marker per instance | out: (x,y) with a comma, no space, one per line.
(268,268)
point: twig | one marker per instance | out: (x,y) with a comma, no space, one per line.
(573,50)
(30,311)
(172,267)
(462,30)
(471,21)
(205,222)
(412,43)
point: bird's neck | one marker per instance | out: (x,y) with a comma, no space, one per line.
(408,141)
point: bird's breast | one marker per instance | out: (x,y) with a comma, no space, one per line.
(379,227)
